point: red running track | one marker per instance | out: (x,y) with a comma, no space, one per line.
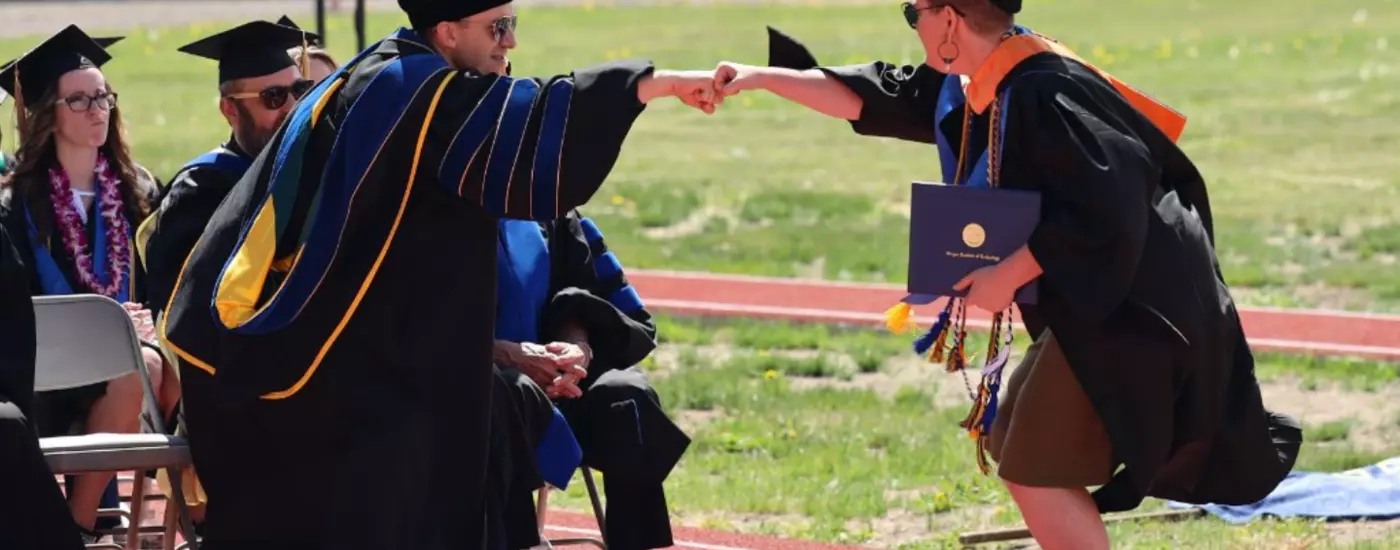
(1289,330)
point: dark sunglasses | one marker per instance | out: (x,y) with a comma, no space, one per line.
(501,26)
(911,12)
(81,102)
(275,97)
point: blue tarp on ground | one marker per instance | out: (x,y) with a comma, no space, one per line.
(1368,493)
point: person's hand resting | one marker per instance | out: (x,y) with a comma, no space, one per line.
(541,365)
(142,320)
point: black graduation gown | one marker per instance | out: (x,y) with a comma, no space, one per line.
(33,513)
(619,422)
(57,410)
(372,407)
(1131,286)
(194,193)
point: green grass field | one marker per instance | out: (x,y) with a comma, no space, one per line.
(836,434)
(1292,120)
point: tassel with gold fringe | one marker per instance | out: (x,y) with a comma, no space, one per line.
(899,318)
(936,336)
(983,413)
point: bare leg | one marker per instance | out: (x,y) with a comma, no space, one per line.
(116,412)
(165,383)
(1061,518)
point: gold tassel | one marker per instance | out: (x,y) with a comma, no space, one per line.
(899,318)
(939,351)
(305,57)
(20,115)
(982,462)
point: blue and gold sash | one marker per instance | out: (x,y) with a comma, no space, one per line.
(240,302)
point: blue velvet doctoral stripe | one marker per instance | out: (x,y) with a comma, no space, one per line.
(366,127)
(505,150)
(452,172)
(606,267)
(549,148)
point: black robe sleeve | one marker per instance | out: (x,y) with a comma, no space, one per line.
(1096,182)
(535,148)
(17,337)
(176,225)
(588,286)
(897,101)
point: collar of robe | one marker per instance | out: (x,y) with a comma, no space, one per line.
(982,87)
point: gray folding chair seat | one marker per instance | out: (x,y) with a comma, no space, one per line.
(88,339)
(105,452)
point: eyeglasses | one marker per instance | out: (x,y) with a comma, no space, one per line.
(81,102)
(911,12)
(275,97)
(502,25)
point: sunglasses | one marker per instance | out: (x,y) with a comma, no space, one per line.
(911,12)
(502,25)
(81,102)
(275,97)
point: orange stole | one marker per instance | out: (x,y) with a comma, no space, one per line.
(983,86)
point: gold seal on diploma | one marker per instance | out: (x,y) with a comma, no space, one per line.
(974,235)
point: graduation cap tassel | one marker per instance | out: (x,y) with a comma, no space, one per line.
(935,337)
(305,60)
(899,318)
(20,115)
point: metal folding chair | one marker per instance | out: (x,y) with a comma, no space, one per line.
(542,510)
(87,339)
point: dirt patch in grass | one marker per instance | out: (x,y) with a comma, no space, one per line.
(1374,413)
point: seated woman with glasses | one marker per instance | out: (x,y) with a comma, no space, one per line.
(71,204)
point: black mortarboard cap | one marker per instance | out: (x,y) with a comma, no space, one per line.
(786,52)
(1008,6)
(250,50)
(311,38)
(40,68)
(426,13)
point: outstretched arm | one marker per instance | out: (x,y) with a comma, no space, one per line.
(812,88)
(536,148)
(879,99)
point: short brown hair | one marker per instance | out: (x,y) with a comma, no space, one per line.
(982,16)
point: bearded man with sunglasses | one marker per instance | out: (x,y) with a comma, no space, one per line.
(259,82)
(340,304)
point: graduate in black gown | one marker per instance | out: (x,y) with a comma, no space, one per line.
(571,330)
(33,513)
(258,84)
(72,203)
(341,300)
(1139,358)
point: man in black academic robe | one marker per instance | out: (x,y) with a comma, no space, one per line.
(33,512)
(1130,288)
(342,297)
(258,86)
(564,303)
